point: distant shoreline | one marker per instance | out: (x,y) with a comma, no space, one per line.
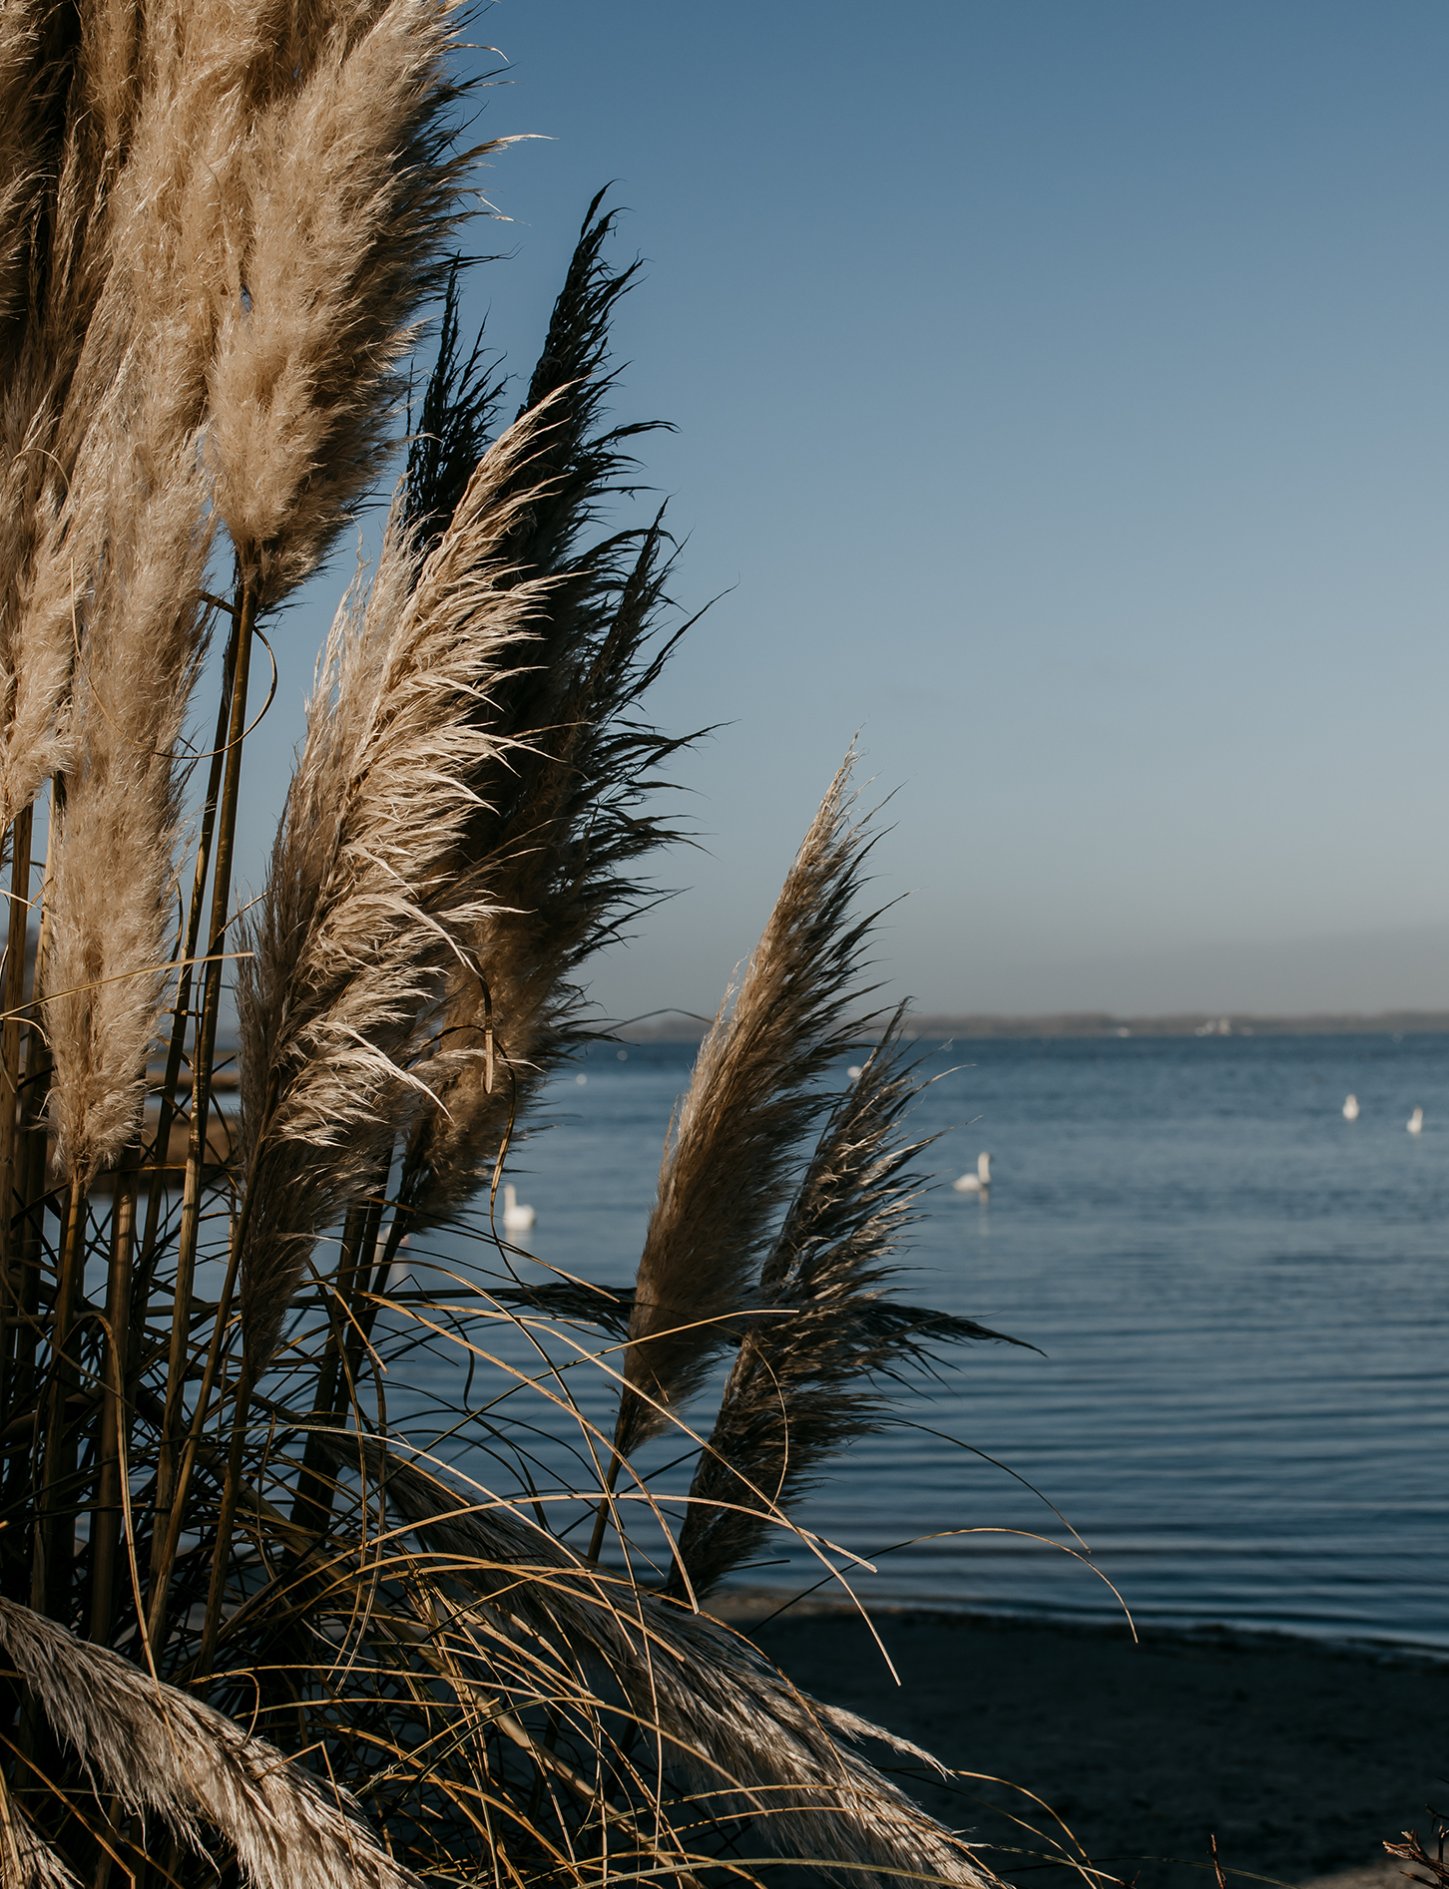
(680,1027)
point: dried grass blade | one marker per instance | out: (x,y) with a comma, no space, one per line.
(27,1861)
(722,1717)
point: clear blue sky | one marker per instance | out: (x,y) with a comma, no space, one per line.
(1063,400)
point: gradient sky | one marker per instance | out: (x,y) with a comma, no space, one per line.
(1062,396)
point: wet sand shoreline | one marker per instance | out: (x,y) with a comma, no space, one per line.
(1301,1757)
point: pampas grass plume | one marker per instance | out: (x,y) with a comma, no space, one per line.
(158,1750)
(323,286)
(361,914)
(754,1093)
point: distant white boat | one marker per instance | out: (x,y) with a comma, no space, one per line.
(1350,1108)
(518,1216)
(978,1183)
(1415,1123)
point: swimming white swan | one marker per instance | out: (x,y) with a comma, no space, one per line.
(400,1271)
(1415,1123)
(518,1216)
(980,1181)
(1350,1108)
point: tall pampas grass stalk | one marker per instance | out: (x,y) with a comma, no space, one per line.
(248,1621)
(365,909)
(755,1093)
(564,821)
(807,1375)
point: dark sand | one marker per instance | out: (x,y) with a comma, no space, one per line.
(1301,1758)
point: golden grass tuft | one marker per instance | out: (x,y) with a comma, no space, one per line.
(255,1619)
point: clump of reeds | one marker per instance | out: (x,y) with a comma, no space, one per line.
(241,1603)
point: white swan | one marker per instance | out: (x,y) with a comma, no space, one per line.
(1415,1123)
(518,1216)
(1350,1108)
(400,1271)
(979,1182)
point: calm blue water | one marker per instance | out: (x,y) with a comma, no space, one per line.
(1244,1302)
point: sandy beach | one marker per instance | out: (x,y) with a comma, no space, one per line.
(1301,1758)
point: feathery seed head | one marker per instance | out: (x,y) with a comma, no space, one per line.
(364,909)
(323,287)
(752,1097)
(158,1750)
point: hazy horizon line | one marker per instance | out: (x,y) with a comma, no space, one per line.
(686,1026)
